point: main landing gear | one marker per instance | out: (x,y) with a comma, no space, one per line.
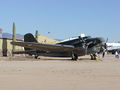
(36,56)
(94,56)
(74,56)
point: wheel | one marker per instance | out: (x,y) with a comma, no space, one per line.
(74,56)
(92,57)
(36,56)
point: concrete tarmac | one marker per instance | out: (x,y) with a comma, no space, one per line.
(20,73)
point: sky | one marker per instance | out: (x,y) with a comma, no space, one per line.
(61,19)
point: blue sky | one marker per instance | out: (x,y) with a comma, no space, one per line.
(62,18)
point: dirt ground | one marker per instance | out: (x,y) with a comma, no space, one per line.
(20,73)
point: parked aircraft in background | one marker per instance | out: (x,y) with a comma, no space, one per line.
(113,47)
(73,47)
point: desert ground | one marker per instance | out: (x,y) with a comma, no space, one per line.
(46,73)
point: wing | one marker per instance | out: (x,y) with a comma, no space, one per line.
(45,47)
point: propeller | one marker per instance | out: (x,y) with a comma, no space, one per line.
(106,43)
(84,43)
(86,46)
(104,48)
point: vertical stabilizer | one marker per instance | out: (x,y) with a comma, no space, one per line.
(29,38)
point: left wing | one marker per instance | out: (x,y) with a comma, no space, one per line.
(45,47)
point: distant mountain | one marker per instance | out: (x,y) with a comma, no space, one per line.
(9,36)
(18,36)
(6,35)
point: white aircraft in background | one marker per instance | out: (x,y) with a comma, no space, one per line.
(112,47)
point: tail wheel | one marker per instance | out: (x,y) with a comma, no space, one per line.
(74,56)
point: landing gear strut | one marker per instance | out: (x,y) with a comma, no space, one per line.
(36,56)
(74,56)
(94,56)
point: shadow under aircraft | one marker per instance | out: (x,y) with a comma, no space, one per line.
(73,47)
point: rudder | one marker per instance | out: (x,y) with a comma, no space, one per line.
(29,38)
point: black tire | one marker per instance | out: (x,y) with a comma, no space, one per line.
(93,56)
(74,57)
(36,56)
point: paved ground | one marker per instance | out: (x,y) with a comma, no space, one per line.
(19,73)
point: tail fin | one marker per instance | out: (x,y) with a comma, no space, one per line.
(29,38)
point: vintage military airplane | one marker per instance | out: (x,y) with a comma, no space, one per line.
(73,47)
